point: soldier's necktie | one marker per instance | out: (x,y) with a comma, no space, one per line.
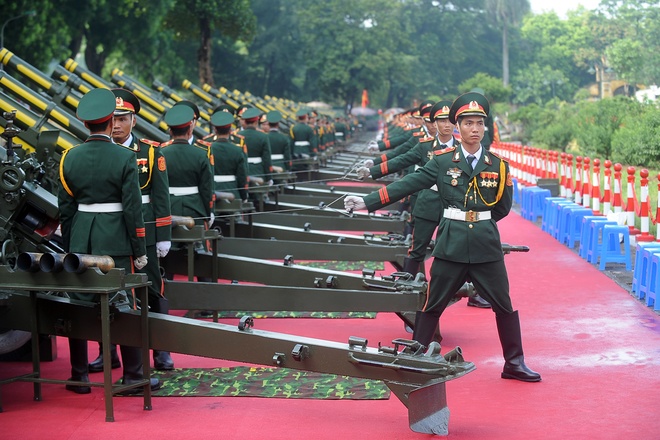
(470,160)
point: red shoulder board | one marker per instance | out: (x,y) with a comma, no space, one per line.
(498,156)
(150,142)
(210,136)
(426,139)
(418,133)
(166,143)
(203,143)
(444,150)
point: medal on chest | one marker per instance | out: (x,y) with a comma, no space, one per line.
(488,179)
(454,173)
(142,165)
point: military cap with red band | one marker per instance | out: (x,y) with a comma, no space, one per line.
(440,110)
(125,102)
(469,104)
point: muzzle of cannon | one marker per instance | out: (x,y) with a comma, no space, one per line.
(51,262)
(29,261)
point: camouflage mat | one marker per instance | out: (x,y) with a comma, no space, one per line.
(344,265)
(266,382)
(281,314)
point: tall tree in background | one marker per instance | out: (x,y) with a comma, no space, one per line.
(506,14)
(199,18)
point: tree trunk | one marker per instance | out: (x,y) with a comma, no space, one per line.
(95,61)
(204,53)
(505,56)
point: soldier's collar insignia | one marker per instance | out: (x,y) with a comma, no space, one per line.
(487,159)
(457,156)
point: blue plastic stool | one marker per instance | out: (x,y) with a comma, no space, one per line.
(654,281)
(516,191)
(640,282)
(527,206)
(593,246)
(585,231)
(562,219)
(555,216)
(538,202)
(573,225)
(548,206)
(610,251)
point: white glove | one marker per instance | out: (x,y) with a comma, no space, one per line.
(162,248)
(368,163)
(211,219)
(354,203)
(140,262)
(270,182)
(373,147)
(363,172)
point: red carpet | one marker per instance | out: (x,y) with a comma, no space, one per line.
(596,347)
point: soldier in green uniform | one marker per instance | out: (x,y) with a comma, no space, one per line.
(229,161)
(476,191)
(258,146)
(280,149)
(302,137)
(101,214)
(154,185)
(189,169)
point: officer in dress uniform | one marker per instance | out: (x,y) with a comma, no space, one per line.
(476,191)
(154,185)
(280,149)
(101,214)
(258,146)
(302,137)
(229,161)
(189,169)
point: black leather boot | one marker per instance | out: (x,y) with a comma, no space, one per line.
(427,328)
(508,328)
(96,366)
(132,358)
(78,356)
(162,359)
(478,301)
(411,266)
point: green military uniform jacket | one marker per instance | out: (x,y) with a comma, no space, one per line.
(302,140)
(229,162)
(486,188)
(418,155)
(189,168)
(154,185)
(280,149)
(402,148)
(101,172)
(258,151)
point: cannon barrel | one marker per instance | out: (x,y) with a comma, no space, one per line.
(178,220)
(29,261)
(78,263)
(45,106)
(52,262)
(508,248)
(149,124)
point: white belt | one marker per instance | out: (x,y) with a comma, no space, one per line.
(183,190)
(254,160)
(434,188)
(301,143)
(101,207)
(277,156)
(339,133)
(469,216)
(224,178)
(146,198)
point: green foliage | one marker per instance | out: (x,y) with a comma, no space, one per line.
(493,87)
(637,142)
(595,124)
